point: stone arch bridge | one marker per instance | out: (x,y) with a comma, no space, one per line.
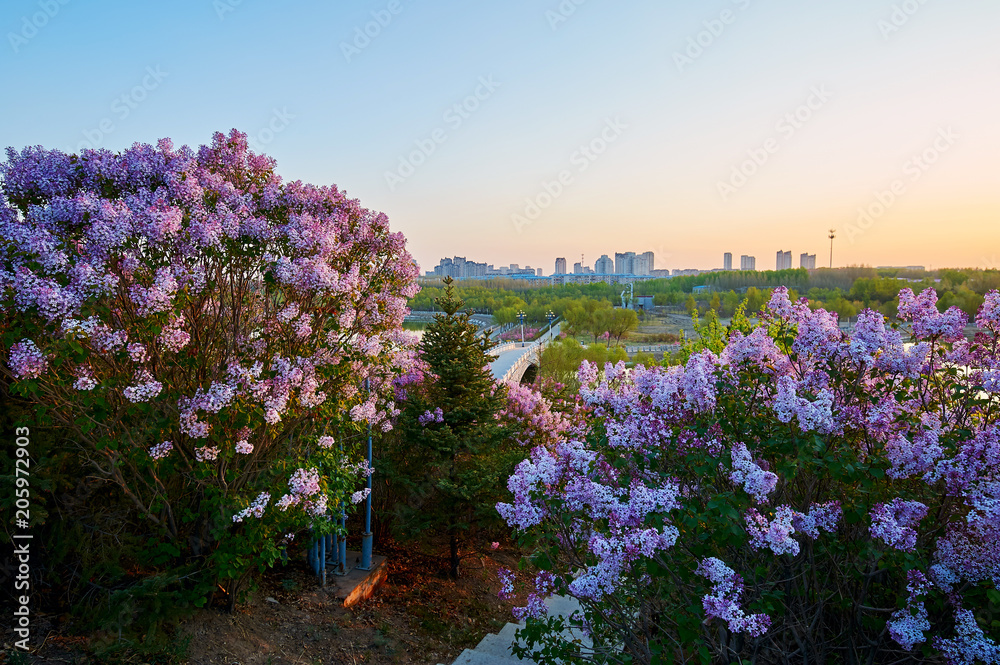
(517,362)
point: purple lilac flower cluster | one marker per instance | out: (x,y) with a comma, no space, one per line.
(845,398)
(428,417)
(724,600)
(536,419)
(908,626)
(281,294)
(757,482)
(894,523)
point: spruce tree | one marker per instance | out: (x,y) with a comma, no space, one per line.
(453,464)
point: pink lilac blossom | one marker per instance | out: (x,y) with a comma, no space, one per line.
(244,447)
(362,468)
(755,481)
(173,336)
(818,337)
(360,495)
(26,360)
(158,297)
(84,379)
(326,442)
(255,509)
(535,417)
(144,389)
(724,600)
(206,453)
(304,482)
(780,305)
(161,450)
(137,352)
(893,523)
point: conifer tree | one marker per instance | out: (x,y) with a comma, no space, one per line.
(454,460)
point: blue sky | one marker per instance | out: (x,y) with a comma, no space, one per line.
(895,142)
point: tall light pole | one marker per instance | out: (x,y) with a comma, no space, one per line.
(550,315)
(520,317)
(833,234)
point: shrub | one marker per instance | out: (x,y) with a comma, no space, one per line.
(205,333)
(800,496)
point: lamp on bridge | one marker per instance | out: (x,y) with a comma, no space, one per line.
(550,315)
(520,318)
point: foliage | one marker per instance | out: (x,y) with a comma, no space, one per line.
(562,357)
(843,290)
(199,328)
(800,495)
(454,454)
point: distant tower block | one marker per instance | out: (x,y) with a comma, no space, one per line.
(727,261)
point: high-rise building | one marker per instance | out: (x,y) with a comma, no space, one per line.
(604,265)
(727,261)
(748,262)
(783,261)
(630,263)
(807,261)
(577,268)
(538,272)
(560,266)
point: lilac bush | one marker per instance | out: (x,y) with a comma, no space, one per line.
(803,495)
(205,332)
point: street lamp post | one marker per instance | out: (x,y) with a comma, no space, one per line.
(520,317)
(550,315)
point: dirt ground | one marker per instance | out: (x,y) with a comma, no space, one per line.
(419,617)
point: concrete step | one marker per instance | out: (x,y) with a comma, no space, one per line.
(507,632)
(498,646)
(470,657)
(495,649)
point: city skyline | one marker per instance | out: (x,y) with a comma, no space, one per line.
(665,125)
(624,263)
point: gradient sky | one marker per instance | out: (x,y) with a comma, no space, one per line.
(899,80)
